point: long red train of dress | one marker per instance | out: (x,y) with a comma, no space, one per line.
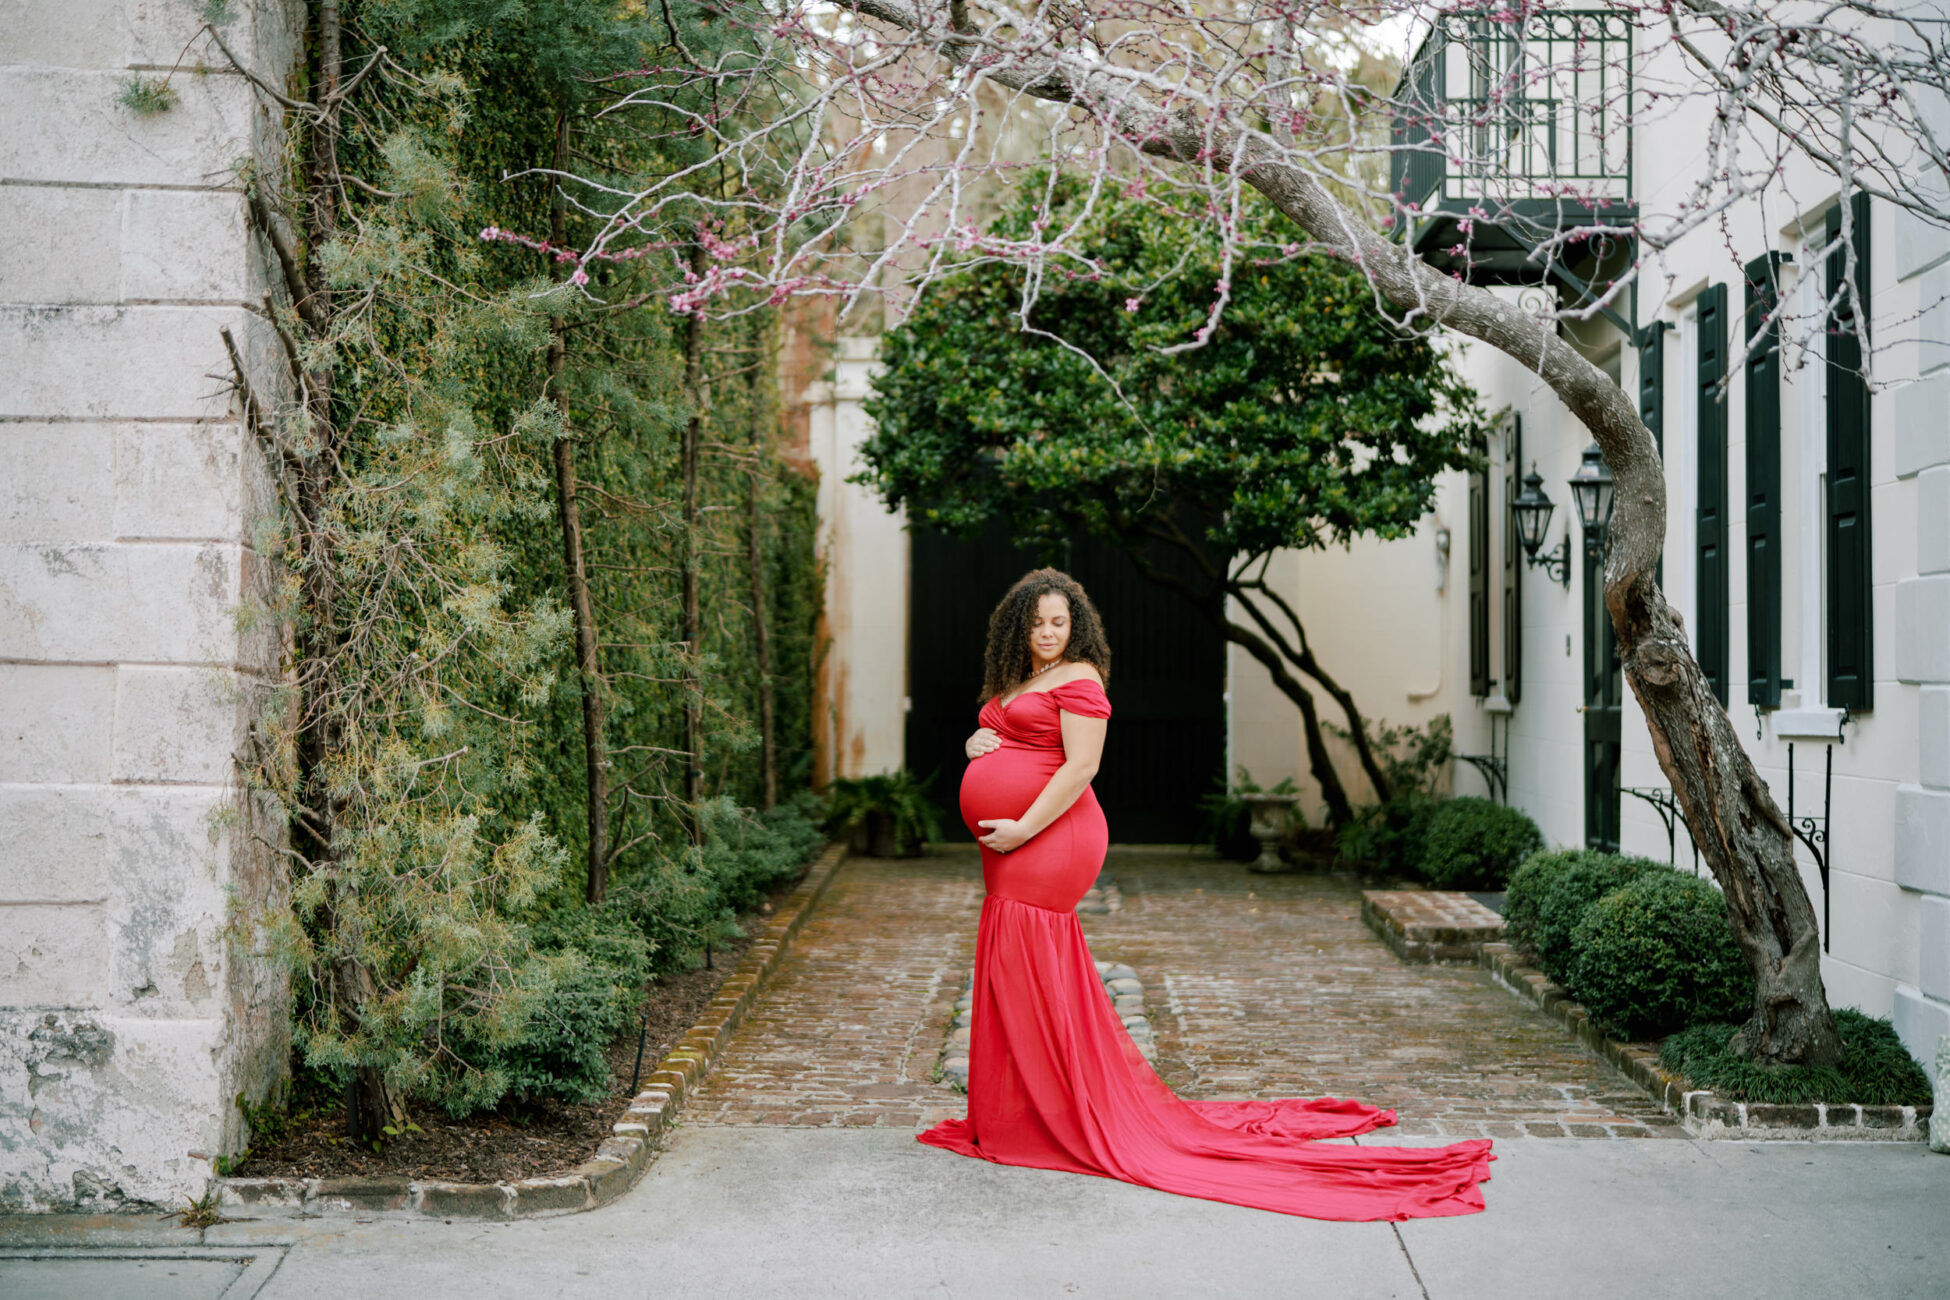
(1054,1081)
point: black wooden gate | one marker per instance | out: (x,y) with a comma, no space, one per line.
(1166,745)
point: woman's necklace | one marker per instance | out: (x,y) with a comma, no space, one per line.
(1019,691)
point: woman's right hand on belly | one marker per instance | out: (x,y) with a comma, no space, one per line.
(984,741)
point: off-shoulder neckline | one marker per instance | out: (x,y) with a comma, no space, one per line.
(1003,704)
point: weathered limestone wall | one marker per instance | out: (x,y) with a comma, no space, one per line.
(132,1012)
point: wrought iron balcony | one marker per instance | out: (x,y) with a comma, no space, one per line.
(1510,129)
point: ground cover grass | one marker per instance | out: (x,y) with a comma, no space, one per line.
(1875,1069)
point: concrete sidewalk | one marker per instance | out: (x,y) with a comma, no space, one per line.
(748,1211)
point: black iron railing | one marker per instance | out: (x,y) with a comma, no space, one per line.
(1502,111)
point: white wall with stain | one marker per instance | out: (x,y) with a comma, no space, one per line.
(133,1007)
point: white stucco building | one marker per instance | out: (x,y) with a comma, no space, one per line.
(1807,552)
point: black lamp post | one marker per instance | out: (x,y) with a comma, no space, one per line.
(1592,488)
(1531,512)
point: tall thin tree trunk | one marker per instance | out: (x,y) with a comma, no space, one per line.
(761,634)
(693,632)
(588,665)
(370,1104)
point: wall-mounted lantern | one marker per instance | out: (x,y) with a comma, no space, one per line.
(1531,512)
(1592,488)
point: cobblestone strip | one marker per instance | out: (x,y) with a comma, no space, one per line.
(618,1161)
(1121,985)
(1102,898)
(1705,1113)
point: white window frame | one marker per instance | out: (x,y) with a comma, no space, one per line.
(1811,718)
(1682,460)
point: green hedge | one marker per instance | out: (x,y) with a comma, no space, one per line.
(1472,843)
(1656,955)
(1387,836)
(1875,1069)
(1550,892)
(599,960)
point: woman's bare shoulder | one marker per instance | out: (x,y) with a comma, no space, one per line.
(1081,672)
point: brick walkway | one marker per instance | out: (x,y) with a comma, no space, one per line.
(849,1029)
(1258,986)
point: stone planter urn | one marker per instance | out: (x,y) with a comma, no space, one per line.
(1269,815)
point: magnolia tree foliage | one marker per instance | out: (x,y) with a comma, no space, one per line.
(895,122)
(1305,420)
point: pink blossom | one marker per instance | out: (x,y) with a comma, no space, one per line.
(1131,304)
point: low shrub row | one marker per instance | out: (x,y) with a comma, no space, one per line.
(593,963)
(1465,843)
(1646,949)
(1875,1069)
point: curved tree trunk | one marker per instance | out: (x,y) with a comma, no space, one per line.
(1302,657)
(1739,830)
(1211,606)
(1319,762)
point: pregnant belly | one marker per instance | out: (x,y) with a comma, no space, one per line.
(1004,783)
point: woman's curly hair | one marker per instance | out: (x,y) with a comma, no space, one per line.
(1008,663)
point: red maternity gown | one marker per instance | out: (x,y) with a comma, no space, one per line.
(1055,1082)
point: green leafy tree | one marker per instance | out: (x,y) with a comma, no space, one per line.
(1072,405)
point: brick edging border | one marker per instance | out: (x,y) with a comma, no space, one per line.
(1704,1113)
(621,1158)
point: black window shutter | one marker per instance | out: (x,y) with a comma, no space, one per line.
(1512,563)
(1711,512)
(1652,381)
(1763,394)
(1479,583)
(1851,647)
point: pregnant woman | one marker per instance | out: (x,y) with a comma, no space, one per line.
(1054,1082)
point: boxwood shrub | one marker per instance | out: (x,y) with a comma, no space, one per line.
(1472,843)
(1529,884)
(1571,884)
(1656,955)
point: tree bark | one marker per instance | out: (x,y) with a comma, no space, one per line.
(1734,820)
(371,1107)
(588,664)
(692,625)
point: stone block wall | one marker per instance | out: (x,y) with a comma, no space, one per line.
(134,1007)
(1922,623)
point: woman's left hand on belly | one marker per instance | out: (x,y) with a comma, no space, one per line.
(1005,833)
